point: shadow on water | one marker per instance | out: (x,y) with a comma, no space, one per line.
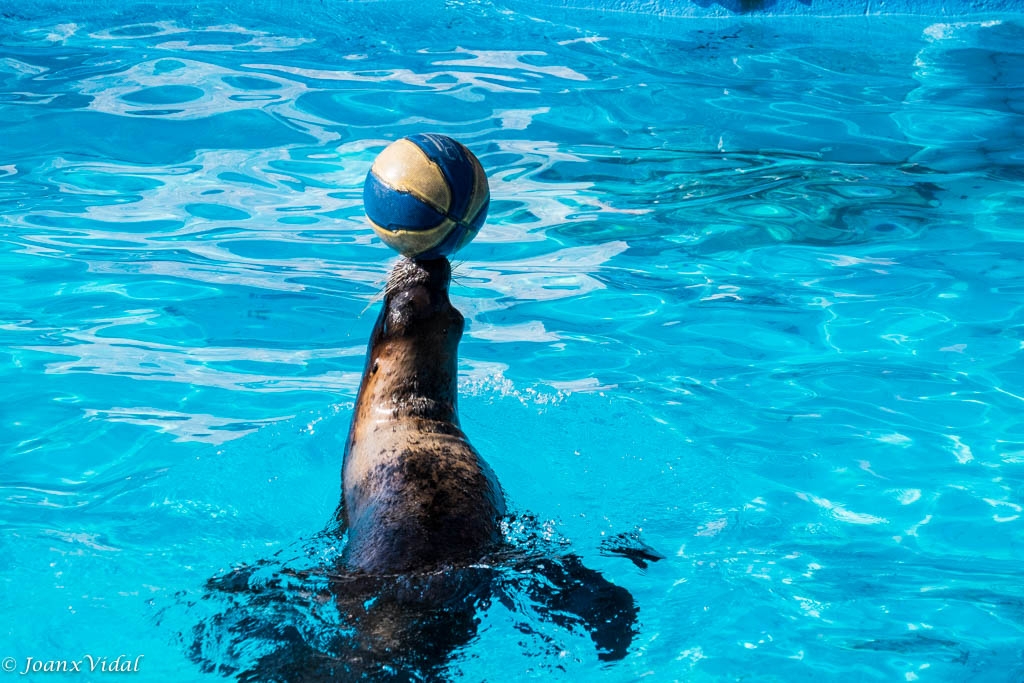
(308,619)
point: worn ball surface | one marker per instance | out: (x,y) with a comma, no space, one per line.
(426,196)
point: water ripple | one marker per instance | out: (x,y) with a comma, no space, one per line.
(751,285)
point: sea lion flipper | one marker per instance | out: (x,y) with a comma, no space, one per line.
(629,545)
(572,593)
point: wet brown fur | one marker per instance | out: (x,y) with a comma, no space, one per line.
(416,494)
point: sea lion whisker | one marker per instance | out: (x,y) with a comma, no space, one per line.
(379,296)
(458,276)
(382,292)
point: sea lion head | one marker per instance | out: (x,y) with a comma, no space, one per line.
(413,355)
(416,303)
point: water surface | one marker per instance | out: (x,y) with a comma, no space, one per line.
(749,289)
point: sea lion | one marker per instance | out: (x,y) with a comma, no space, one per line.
(421,514)
(415,493)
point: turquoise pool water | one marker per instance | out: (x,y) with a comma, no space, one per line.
(750,291)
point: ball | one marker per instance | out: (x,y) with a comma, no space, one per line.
(426,196)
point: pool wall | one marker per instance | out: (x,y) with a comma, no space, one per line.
(697,9)
(810,8)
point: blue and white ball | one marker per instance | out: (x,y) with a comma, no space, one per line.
(426,196)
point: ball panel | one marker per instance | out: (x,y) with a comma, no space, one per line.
(455,163)
(393,210)
(405,167)
(471,229)
(458,237)
(417,243)
(481,197)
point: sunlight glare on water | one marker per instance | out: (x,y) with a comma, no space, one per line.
(749,288)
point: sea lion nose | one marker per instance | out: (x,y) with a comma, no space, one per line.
(407,308)
(415,302)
